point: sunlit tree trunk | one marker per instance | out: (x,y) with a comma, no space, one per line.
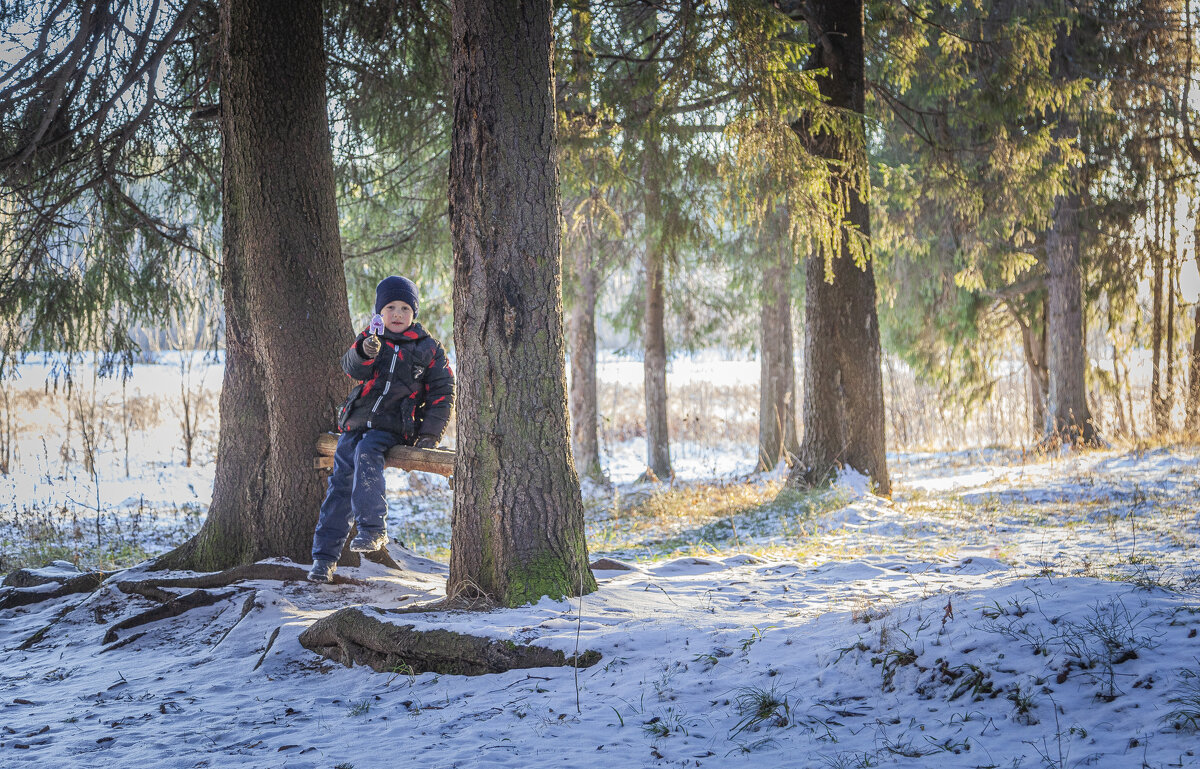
(517,525)
(777,376)
(658,439)
(843,412)
(1122,424)
(579,99)
(1192,405)
(1033,345)
(1156,338)
(281,253)
(584,397)
(1068,417)
(1172,277)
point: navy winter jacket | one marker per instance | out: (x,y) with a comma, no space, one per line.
(407,389)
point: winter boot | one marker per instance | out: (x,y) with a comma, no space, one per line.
(368,542)
(322,571)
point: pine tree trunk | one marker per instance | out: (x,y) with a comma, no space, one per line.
(1067,415)
(654,363)
(584,398)
(1068,418)
(1192,404)
(1191,407)
(1034,348)
(843,383)
(287,320)
(1122,424)
(585,410)
(1156,329)
(1172,275)
(777,380)
(518,516)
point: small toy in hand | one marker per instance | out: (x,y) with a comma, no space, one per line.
(372,345)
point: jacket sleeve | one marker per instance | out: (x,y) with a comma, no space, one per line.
(355,365)
(438,383)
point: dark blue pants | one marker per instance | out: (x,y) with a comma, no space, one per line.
(355,491)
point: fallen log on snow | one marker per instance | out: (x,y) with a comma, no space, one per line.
(439,461)
(352,636)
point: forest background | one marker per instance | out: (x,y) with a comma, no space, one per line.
(993,133)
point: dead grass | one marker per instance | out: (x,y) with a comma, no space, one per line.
(754,516)
(697,412)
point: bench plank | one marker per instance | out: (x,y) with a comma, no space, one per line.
(439,461)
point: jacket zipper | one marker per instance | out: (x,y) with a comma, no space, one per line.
(386,386)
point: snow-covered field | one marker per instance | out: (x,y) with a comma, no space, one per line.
(1000,611)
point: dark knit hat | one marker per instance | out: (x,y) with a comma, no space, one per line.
(393,288)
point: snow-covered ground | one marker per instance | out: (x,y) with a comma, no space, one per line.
(1000,611)
(1060,629)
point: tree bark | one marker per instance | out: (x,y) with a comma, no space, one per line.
(585,441)
(777,376)
(1122,423)
(1068,418)
(1034,348)
(517,525)
(843,381)
(1192,404)
(1156,322)
(654,362)
(1171,286)
(584,394)
(287,320)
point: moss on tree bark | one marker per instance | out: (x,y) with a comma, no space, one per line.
(518,514)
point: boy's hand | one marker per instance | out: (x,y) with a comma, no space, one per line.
(427,442)
(371,346)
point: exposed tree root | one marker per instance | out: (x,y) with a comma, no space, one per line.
(122,642)
(449,603)
(383,558)
(247,607)
(352,636)
(173,608)
(270,642)
(251,571)
(29,594)
(608,564)
(40,634)
(147,590)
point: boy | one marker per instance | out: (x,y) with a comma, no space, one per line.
(404,395)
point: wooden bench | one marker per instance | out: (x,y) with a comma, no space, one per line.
(440,461)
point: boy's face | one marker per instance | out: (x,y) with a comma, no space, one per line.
(397,316)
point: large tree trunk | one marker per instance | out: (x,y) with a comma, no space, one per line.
(654,364)
(843,382)
(281,252)
(1068,418)
(584,397)
(777,381)
(518,516)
